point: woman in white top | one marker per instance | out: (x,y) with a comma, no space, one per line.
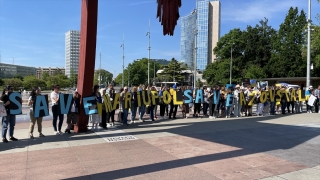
(55,110)
(35,92)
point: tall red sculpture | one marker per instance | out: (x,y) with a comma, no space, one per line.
(88,39)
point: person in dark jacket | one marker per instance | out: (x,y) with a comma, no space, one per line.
(9,121)
(73,116)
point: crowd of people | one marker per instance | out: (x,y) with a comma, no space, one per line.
(207,108)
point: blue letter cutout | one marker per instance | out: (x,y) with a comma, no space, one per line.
(199,97)
(40,104)
(64,109)
(15,105)
(87,104)
(216,97)
(187,96)
(229,102)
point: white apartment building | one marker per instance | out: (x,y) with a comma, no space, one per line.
(72,52)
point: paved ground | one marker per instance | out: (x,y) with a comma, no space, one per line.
(274,147)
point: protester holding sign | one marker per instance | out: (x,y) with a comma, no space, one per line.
(173,108)
(206,101)
(56,110)
(142,108)
(9,121)
(197,103)
(123,107)
(112,95)
(103,123)
(134,104)
(73,115)
(96,118)
(35,92)
(236,101)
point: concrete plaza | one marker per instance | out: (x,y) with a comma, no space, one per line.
(273,147)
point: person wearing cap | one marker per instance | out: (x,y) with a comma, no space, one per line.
(236,101)
(73,116)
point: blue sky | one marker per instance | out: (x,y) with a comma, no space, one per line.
(33,31)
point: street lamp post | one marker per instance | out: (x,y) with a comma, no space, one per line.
(122,45)
(309,44)
(100,70)
(231,66)
(149,48)
(195,60)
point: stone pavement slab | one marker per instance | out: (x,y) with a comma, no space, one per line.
(273,147)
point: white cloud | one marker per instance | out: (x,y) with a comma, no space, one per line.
(258,9)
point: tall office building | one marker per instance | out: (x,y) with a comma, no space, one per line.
(208,33)
(187,45)
(72,50)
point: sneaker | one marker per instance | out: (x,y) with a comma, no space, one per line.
(13,139)
(60,132)
(56,133)
(226,116)
(5,140)
(133,122)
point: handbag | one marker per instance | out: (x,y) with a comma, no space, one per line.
(3,111)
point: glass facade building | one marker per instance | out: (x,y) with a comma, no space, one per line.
(187,45)
(205,20)
(72,50)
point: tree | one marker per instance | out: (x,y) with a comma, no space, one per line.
(199,83)
(60,79)
(1,82)
(106,77)
(73,80)
(45,76)
(17,76)
(219,71)
(286,59)
(137,72)
(14,82)
(173,72)
(31,81)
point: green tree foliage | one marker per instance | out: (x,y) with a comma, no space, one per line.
(106,77)
(261,51)
(73,79)
(286,59)
(173,72)
(1,82)
(199,83)
(31,81)
(18,77)
(14,82)
(137,72)
(45,76)
(60,79)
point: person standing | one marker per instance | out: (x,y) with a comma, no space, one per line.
(96,118)
(125,110)
(142,108)
(9,121)
(35,92)
(111,95)
(134,104)
(236,101)
(316,103)
(103,123)
(56,110)
(173,108)
(73,116)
